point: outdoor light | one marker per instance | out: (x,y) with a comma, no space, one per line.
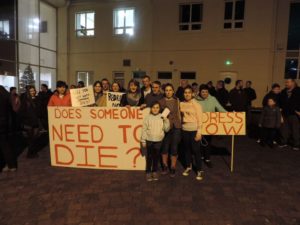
(228,62)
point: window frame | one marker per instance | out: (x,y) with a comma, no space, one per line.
(233,21)
(190,23)
(124,27)
(86,29)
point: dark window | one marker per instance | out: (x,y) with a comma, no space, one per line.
(7,19)
(126,62)
(138,74)
(234,14)
(44,27)
(227,25)
(183,27)
(7,68)
(228,10)
(291,68)
(294,27)
(188,75)
(184,14)
(190,17)
(238,25)
(239,10)
(164,75)
(196,12)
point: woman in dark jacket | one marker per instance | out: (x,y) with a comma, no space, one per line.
(133,96)
(7,157)
(30,113)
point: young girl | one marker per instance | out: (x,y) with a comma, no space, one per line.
(270,122)
(133,96)
(115,87)
(173,137)
(153,132)
(191,131)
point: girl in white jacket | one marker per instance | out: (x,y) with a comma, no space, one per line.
(153,132)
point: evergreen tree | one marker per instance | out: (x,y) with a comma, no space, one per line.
(26,79)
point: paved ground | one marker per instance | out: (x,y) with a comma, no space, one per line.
(264,189)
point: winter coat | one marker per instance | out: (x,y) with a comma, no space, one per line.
(270,117)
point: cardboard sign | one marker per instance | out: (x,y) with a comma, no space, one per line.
(109,138)
(224,123)
(113,99)
(82,96)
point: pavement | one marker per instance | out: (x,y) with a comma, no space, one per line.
(264,189)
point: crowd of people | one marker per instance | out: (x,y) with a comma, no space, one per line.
(162,135)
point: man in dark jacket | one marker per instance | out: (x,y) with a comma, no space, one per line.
(222,94)
(44,96)
(154,96)
(250,92)
(274,94)
(290,105)
(180,90)
(7,158)
(238,97)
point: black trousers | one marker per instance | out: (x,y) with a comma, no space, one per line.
(207,148)
(152,157)
(268,135)
(291,129)
(192,147)
(7,156)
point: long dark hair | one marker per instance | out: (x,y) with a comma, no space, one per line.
(136,83)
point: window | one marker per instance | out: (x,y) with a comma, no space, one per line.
(234,14)
(85,24)
(4,29)
(86,76)
(119,77)
(188,75)
(138,74)
(291,68)
(124,21)
(190,16)
(164,75)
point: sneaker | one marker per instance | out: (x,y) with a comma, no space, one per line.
(12,169)
(149,177)
(172,172)
(296,148)
(5,169)
(282,145)
(199,175)
(155,176)
(187,171)
(209,163)
(164,170)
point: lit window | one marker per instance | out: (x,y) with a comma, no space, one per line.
(234,14)
(124,21)
(190,17)
(4,29)
(85,24)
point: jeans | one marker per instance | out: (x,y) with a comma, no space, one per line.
(153,156)
(192,147)
(171,142)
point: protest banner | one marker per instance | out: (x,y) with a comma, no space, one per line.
(113,99)
(109,138)
(82,96)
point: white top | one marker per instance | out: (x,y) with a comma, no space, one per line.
(154,128)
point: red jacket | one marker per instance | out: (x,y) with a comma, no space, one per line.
(55,100)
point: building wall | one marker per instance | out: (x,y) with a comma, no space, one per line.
(257,51)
